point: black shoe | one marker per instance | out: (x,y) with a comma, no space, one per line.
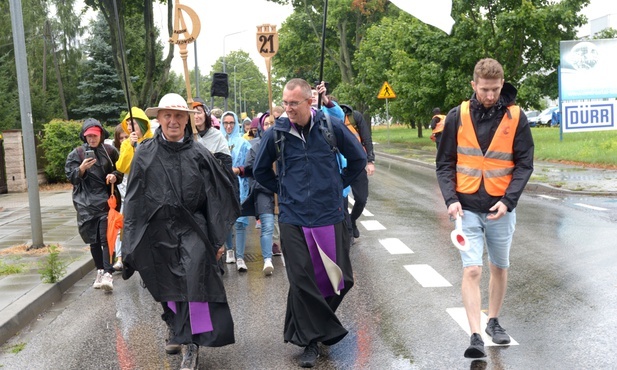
(497,333)
(476,347)
(356,232)
(171,348)
(309,357)
(190,358)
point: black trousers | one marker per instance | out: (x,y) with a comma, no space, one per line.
(359,189)
(100,249)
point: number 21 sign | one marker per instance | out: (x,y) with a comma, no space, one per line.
(267,40)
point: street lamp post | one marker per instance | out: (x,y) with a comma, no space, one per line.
(235,95)
(246,79)
(224,37)
(224,57)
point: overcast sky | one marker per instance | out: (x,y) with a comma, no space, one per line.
(220,18)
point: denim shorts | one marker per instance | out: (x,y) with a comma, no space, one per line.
(495,234)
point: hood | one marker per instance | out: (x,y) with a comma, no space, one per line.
(91,122)
(346,109)
(506,98)
(141,116)
(235,133)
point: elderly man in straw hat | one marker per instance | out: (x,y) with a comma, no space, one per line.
(180,205)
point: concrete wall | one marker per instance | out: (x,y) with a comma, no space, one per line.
(14,157)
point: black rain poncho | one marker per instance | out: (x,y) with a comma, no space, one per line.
(90,192)
(180,205)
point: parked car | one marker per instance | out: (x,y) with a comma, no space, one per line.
(532,117)
(545,118)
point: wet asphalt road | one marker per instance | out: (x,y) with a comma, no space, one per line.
(560,308)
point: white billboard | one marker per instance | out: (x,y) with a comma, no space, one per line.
(588,69)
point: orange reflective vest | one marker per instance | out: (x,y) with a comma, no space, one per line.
(439,126)
(495,167)
(352,127)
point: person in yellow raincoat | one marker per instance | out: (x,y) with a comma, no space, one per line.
(138,130)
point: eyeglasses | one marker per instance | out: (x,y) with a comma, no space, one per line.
(229,123)
(294,104)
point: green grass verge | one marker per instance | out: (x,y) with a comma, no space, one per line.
(595,148)
(8,269)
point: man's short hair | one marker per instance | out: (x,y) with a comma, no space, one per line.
(278,109)
(305,86)
(436,111)
(489,69)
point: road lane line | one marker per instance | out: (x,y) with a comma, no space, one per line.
(460,316)
(365,212)
(590,207)
(427,276)
(395,246)
(372,225)
(547,197)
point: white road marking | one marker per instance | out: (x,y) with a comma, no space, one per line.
(460,316)
(365,212)
(427,276)
(395,246)
(547,197)
(372,225)
(590,207)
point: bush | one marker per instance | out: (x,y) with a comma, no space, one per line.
(60,138)
(52,268)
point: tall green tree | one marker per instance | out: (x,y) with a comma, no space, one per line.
(45,76)
(154,69)
(300,43)
(250,88)
(101,94)
(428,68)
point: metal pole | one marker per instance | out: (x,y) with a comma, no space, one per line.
(235,97)
(323,48)
(25,110)
(388,121)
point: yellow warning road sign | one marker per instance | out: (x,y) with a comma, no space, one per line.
(386,92)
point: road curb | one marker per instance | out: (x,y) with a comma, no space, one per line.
(24,310)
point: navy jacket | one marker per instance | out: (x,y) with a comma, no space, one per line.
(309,183)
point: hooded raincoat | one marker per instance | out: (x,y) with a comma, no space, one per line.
(90,192)
(126,149)
(239,149)
(179,207)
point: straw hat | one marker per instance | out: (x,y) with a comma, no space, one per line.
(170,101)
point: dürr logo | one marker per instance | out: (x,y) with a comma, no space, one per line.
(598,116)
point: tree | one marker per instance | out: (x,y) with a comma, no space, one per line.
(428,68)
(347,23)
(101,94)
(254,87)
(51,68)
(155,70)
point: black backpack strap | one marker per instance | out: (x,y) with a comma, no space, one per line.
(279,142)
(328,133)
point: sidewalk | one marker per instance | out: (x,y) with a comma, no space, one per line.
(23,296)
